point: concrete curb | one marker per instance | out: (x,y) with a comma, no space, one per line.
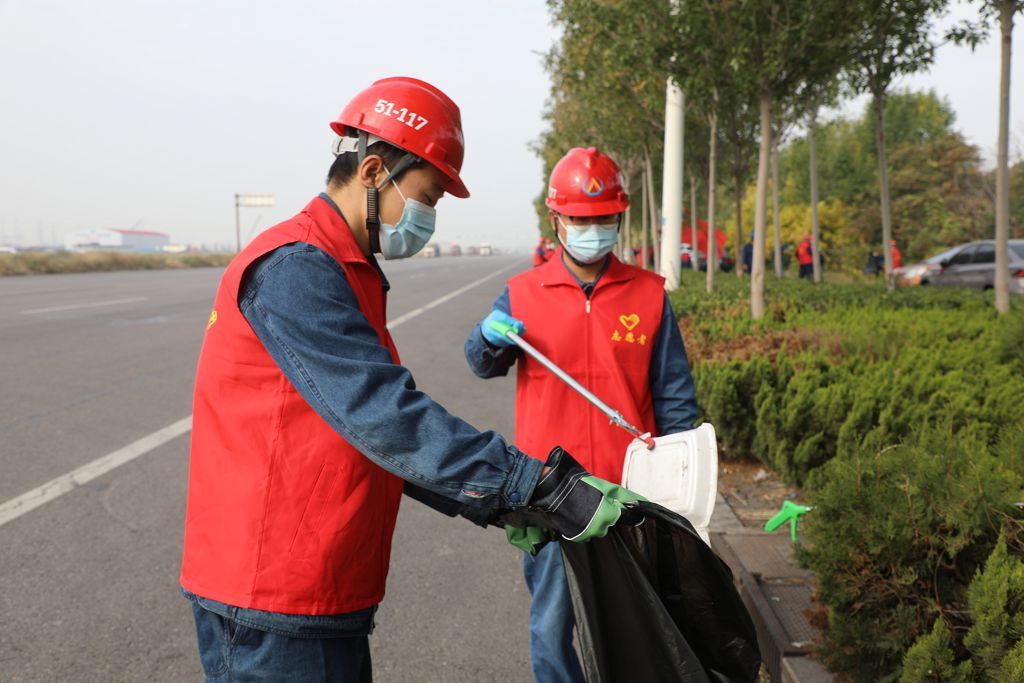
(776,591)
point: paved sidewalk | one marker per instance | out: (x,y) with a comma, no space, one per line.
(776,591)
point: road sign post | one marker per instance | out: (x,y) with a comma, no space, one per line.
(248,200)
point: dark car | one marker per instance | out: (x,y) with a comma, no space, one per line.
(974,265)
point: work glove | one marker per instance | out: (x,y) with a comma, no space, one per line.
(574,503)
(495,338)
(529,539)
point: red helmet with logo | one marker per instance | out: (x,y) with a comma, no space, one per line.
(586,182)
(412,115)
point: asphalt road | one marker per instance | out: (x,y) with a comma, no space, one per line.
(88,581)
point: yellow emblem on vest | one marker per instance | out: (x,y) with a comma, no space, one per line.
(629,322)
(213,319)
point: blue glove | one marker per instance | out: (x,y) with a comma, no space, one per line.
(493,337)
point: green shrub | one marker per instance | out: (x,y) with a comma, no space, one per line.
(903,413)
(993,646)
(896,534)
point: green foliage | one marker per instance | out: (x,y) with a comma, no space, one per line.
(931,659)
(993,646)
(607,82)
(995,600)
(896,535)
(901,413)
(731,393)
(940,196)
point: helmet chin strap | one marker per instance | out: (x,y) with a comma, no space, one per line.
(373,192)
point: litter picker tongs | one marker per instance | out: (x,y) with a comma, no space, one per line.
(613,415)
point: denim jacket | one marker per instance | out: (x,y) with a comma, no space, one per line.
(304,311)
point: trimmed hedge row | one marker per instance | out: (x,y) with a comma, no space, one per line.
(902,415)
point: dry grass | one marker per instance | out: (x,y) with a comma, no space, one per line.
(104,261)
(765,344)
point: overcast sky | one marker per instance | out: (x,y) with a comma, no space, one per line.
(145,114)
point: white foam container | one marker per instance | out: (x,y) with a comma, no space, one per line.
(680,473)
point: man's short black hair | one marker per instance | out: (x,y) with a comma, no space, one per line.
(345,165)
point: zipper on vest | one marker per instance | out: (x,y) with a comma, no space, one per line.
(588,306)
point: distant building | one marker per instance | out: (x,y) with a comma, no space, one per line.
(117,240)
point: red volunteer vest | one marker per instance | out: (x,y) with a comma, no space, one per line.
(803,253)
(605,344)
(283,514)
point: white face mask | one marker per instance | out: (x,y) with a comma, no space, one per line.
(412,231)
(589,243)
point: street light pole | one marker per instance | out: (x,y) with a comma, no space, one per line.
(672,186)
(238,225)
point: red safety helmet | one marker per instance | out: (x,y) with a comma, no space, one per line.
(414,116)
(586,182)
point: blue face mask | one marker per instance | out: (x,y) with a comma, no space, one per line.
(590,243)
(412,231)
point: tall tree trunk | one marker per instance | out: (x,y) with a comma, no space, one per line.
(739,221)
(655,221)
(776,230)
(712,163)
(644,220)
(1006,11)
(883,189)
(812,135)
(760,209)
(694,255)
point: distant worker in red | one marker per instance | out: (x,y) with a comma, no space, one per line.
(805,257)
(607,324)
(897,256)
(543,252)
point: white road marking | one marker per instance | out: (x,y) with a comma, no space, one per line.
(26,502)
(447,297)
(94,304)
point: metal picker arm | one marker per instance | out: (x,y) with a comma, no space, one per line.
(613,415)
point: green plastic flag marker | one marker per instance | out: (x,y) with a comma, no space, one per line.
(790,512)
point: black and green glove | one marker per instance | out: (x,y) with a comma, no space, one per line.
(574,503)
(529,539)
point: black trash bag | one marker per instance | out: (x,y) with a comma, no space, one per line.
(654,603)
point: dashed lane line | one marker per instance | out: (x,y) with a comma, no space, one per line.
(26,502)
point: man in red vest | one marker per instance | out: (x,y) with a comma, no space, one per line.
(611,327)
(306,429)
(805,257)
(897,255)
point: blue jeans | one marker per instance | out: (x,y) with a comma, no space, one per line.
(551,618)
(238,644)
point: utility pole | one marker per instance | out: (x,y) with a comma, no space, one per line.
(672,185)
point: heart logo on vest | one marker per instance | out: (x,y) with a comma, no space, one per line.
(629,321)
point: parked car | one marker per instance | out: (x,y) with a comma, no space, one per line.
(974,265)
(455,250)
(922,273)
